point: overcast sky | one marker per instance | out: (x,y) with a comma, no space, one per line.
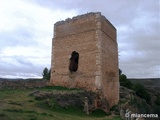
(26,31)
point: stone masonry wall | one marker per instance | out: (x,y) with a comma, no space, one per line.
(76,35)
(94,38)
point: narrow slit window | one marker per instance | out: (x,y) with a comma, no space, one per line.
(73,66)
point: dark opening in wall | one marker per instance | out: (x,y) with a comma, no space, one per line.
(73,66)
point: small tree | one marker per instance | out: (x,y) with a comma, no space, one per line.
(124,81)
(120,72)
(46,73)
(49,74)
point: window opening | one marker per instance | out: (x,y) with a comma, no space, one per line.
(73,66)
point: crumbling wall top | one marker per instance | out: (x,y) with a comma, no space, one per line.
(83,23)
(81,17)
(77,17)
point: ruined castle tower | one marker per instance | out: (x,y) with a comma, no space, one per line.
(85,55)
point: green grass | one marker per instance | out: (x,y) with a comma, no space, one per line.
(50,88)
(19,105)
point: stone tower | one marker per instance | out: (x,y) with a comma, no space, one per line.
(85,55)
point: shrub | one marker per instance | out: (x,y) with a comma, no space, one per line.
(99,113)
(141,92)
(46,73)
(124,81)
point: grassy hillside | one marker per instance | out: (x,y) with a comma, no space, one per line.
(18,104)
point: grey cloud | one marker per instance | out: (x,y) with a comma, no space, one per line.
(138,30)
(19,37)
(21,67)
(140,69)
(119,12)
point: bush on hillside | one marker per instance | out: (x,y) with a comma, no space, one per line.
(142,92)
(124,81)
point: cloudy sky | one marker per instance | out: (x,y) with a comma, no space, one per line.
(26,31)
